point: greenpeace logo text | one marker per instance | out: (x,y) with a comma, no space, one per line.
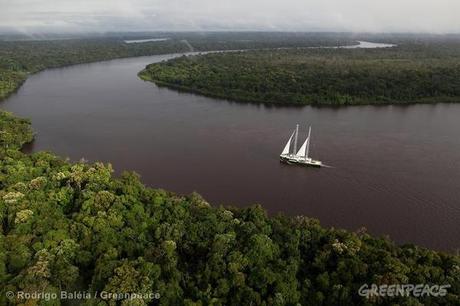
(415,290)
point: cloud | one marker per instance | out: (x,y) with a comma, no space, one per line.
(438,16)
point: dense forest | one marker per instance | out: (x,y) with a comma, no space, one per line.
(416,71)
(75,227)
(20,56)
(14,132)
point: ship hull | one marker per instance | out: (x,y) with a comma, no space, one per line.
(301,161)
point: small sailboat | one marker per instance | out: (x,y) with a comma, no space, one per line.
(302,155)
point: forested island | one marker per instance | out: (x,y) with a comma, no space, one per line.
(74,226)
(415,71)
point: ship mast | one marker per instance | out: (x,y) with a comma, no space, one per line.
(308,143)
(295,139)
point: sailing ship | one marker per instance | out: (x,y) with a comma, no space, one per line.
(301,156)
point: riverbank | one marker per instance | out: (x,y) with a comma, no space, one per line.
(407,74)
(19,59)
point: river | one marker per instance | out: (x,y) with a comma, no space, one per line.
(395,169)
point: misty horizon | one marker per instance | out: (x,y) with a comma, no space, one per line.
(64,16)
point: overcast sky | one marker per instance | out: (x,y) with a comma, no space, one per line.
(436,16)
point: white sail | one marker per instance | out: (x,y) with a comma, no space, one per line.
(288,145)
(303,152)
(303,149)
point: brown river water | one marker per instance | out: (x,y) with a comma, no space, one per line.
(395,169)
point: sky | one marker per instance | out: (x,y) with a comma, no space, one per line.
(37,16)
